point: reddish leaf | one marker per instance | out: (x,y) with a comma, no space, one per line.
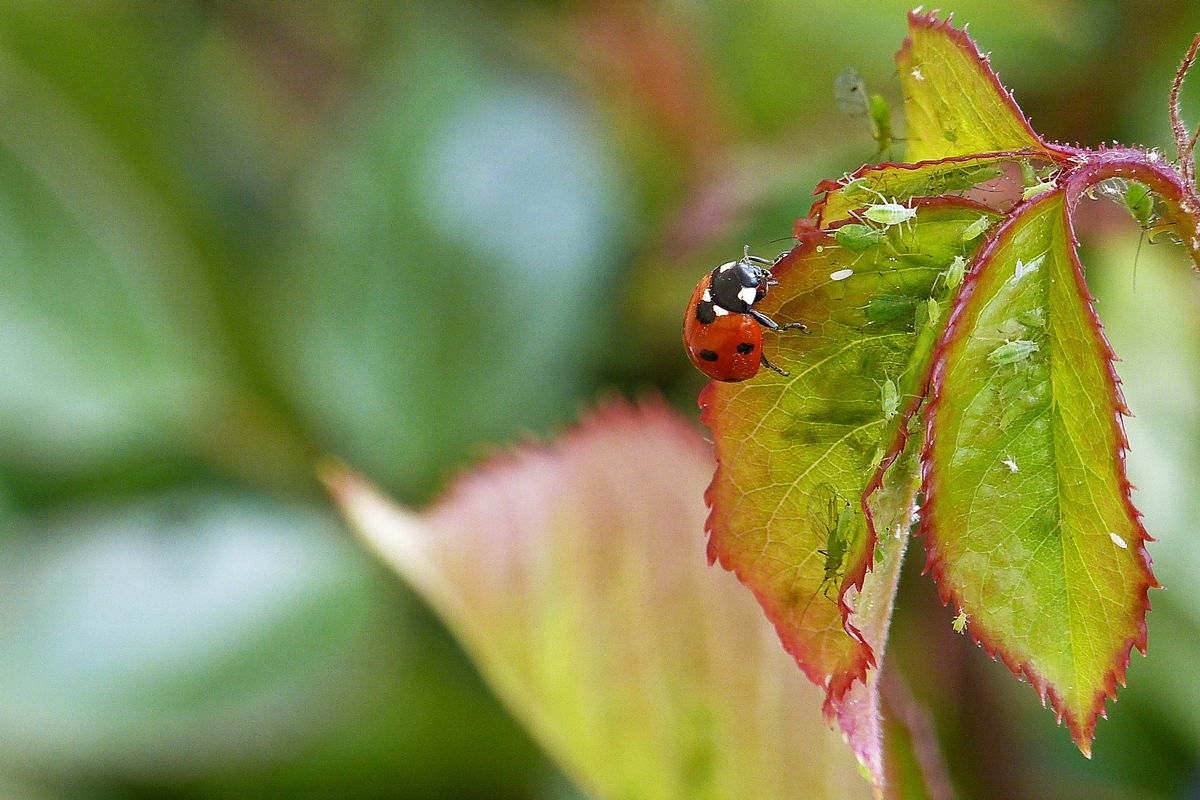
(574,576)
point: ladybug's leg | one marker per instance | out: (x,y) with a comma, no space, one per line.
(771,324)
(774,368)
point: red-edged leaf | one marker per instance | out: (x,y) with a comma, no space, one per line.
(954,104)
(875,183)
(795,454)
(574,575)
(1030,527)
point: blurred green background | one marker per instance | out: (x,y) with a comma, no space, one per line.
(235,236)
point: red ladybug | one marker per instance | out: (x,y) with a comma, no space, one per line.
(722,330)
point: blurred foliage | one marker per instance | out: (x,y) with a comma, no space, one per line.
(237,235)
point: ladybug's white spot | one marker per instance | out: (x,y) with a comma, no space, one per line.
(707,298)
(748,294)
(720,312)
(1118,541)
(727,266)
(841,274)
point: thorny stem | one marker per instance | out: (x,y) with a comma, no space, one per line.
(1176,190)
(1183,144)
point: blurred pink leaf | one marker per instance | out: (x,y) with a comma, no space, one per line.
(575,576)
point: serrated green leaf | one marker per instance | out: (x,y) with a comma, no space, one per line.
(1030,525)
(953,103)
(575,578)
(785,445)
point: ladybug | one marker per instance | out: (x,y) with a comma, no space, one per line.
(722,330)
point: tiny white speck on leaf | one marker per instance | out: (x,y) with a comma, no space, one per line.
(841,274)
(1012,465)
(1118,541)
(916,73)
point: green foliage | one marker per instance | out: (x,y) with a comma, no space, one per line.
(1029,524)
(1028,515)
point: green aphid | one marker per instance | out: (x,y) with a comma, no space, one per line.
(1013,352)
(934,311)
(976,228)
(890,398)
(888,307)
(960,622)
(955,273)
(832,517)
(1013,387)
(858,238)
(1038,188)
(835,547)
(881,122)
(1011,329)
(1034,318)
(1140,203)
(889,214)
(850,93)
(1028,174)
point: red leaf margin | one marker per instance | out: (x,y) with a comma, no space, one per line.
(829,185)
(928,21)
(1082,731)
(837,684)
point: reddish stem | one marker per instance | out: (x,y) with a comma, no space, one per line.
(1183,144)
(1148,167)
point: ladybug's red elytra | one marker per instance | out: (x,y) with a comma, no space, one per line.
(723,330)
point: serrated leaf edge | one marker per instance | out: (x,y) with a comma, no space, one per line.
(928,21)
(1082,730)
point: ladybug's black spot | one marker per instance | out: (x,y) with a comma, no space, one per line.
(745,347)
(705,314)
(708,355)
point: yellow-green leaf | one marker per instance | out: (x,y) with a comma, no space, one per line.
(953,103)
(1030,526)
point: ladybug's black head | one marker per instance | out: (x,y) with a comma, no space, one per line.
(738,285)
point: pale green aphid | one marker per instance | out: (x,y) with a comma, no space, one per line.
(832,518)
(857,238)
(889,214)
(850,92)
(960,622)
(1140,203)
(1013,387)
(1028,174)
(935,311)
(1034,318)
(954,275)
(976,228)
(890,397)
(1038,188)
(1013,352)
(835,548)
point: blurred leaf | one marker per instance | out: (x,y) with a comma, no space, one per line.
(955,105)
(1055,583)
(108,343)
(174,635)
(795,454)
(451,282)
(574,576)
(1160,373)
